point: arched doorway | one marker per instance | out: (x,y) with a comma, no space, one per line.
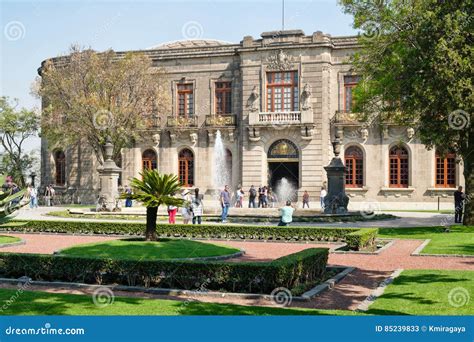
(283,169)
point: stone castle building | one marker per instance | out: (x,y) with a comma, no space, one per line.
(276,103)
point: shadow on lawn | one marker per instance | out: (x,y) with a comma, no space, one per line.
(42,303)
(407,279)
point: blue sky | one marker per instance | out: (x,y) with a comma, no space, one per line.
(35,30)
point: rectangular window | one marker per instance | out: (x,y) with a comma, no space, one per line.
(282,91)
(223,98)
(349,84)
(185,100)
(446,171)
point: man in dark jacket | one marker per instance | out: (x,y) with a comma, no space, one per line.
(459,197)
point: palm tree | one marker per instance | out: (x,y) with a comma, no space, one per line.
(9,203)
(153,190)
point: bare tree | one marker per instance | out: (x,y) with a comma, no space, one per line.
(91,97)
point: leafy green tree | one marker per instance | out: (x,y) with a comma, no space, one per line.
(16,126)
(154,189)
(416,69)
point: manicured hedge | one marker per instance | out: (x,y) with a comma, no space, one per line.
(307,266)
(362,239)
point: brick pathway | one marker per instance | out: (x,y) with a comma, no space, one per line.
(354,288)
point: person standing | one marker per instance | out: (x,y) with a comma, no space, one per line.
(225,203)
(252,197)
(186,211)
(33,194)
(286,216)
(238,196)
(197,207)
(459,197)
(172,210)
(128,200)
(306,199)
(322,197)
(53,195)
(242,195)
(47,196)
(265,196)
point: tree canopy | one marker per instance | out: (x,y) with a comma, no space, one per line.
(90,97)
(16,126)
(416,69)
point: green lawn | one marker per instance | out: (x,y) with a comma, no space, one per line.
(459,241)
(414,292)
(137,249)
(43,303)
(8,239)
(426,292)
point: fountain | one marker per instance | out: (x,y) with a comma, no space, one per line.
(222,172)
(285,191)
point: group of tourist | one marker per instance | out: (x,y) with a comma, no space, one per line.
(192,209)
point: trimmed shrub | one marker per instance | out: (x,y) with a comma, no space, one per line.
(362,238)
(307,266)
(233,232)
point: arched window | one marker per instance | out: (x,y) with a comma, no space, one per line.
(399,167)
(283,148)
(60,166)
(149,160)
(445,170)
(186,167)
(354,161)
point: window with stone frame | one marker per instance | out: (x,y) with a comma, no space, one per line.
(185,99)
(149,160)
(282,91)
(445,170)
(399,167)
(60,167)
(354,162)
(186,167)
(223,98)
(350,81)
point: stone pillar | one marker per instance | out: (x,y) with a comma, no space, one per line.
(336,200)
(109,174)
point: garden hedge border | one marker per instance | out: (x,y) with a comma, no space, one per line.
(307,266)
(356,238)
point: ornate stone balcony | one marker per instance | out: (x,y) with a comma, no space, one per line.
(280,118)
(151,122)
(346,118)
(302,120)
(182,121)
(227,120)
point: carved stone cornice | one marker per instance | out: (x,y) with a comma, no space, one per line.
(280,61)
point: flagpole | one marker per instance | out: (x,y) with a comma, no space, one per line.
(283,15)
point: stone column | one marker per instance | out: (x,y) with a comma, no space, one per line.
(109,174)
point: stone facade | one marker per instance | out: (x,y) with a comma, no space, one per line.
(250,128)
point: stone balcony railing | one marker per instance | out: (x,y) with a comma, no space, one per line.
(226,120)
(182,121)
(280,118)
(343,117)
(151,121)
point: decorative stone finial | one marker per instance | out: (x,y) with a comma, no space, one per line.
(109,148)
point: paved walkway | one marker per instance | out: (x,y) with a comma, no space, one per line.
(406,219)
(348,294)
